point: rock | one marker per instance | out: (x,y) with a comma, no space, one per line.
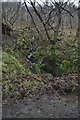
(67,90)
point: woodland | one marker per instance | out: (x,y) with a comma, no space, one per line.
(40,57)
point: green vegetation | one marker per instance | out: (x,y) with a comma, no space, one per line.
(18,78)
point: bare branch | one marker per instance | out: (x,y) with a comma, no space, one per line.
(32,19)
(48,36)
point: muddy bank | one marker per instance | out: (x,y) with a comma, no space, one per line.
(44,106)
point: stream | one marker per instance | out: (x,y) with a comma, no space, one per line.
(44,106)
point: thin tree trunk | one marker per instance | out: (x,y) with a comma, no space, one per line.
(57,27)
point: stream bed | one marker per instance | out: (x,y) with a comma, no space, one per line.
(44,106)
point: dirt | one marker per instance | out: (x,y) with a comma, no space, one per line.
(0,101)
(44,106)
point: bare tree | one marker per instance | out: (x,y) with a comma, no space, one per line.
(50,17)
(10,12)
